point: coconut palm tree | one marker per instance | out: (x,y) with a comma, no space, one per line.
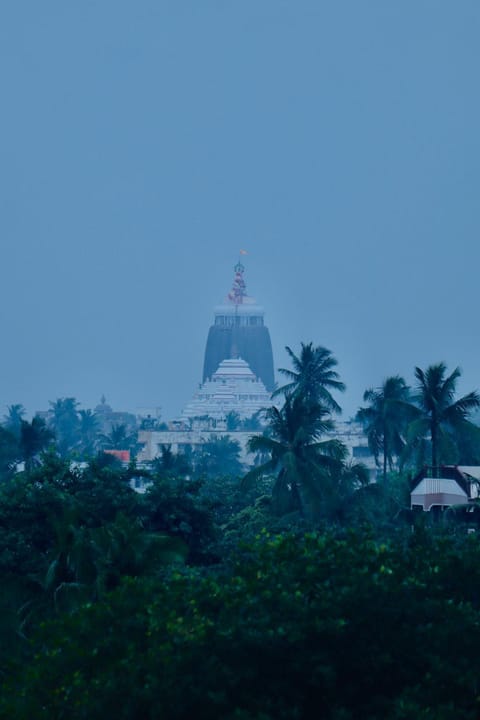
(70,563)
(119,438)
(8,453)
(346,488)
(35,437)
(439,415)
(254,423)
(303,463)
(125,548)
(385,418)
(218,456)
(89,431)
(171,465)
(65,423)
(313,376)
(233,421)
(13,418)
(83,563)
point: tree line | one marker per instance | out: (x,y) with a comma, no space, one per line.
(72,432)
(80,435)
(223,595)
(406,428)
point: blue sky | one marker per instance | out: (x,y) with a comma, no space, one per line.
(144,143)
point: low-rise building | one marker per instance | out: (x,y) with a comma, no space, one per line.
(438,488)
(182,440)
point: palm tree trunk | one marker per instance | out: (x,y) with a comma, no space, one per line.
(297,495)
(433,434)
(385,454)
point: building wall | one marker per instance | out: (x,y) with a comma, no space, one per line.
(153,440)
(352,435)
(349,433)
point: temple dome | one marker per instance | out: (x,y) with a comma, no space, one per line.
(233,387)
(234,368)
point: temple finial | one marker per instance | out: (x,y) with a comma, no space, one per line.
(239,288)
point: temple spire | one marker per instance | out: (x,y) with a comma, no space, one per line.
(239,331)
(239,288)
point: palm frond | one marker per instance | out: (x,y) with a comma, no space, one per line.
(256,473)
(460,409)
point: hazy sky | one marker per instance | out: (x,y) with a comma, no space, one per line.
(143,143)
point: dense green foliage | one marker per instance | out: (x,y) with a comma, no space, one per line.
(296,626)
(68,536)
(178,590)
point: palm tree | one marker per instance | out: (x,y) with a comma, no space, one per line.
(8,453)
(35,437)
(84,562)
(303,463)
(64,421)
(439,415)
(171,465)
(233,421)
(119,438)
(13,418)
(346,489)
(254,423)
(89,431)
(313,376)
(218,456)
(468,444)
(70,563)
(384,420)
(124,547)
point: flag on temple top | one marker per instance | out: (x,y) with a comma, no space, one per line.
(243,252)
